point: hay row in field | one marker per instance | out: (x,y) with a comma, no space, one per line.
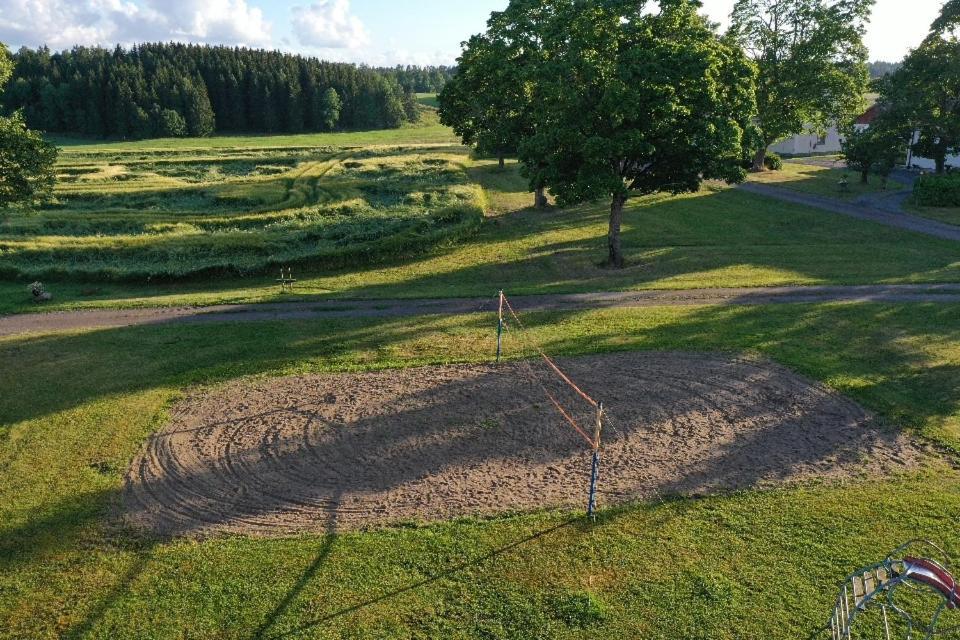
(173,217)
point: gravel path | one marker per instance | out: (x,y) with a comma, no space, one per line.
(111,318)
(861,212)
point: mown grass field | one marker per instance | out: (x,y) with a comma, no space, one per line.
(822,181)
(719,237)
(714,568)
(167,215)
(950,215)
(760,564)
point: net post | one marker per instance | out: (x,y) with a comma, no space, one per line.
(595,471)
(500,327)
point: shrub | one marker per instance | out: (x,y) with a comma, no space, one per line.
(938,190)
(773,161)
(171,124)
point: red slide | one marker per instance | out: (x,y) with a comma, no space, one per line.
(933,575)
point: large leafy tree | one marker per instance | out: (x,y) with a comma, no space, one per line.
(633,101)
(26,159)
(489,102)
(924,94)
(474,103)
(874,150)
(811,61)
(949,19)
(328,109)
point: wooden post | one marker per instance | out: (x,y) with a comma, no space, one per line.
(500,328)
(595,472)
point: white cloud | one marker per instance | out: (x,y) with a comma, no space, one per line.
(213,21)
(391,57)
(328,24)
(65,23)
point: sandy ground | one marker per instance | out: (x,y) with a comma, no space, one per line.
(340,452)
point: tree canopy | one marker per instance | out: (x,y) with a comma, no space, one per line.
(488,101)
(876,149)
(605,98)
(923,96)
(26,159)
(632,101)
(949,19)
(811,60)
(125,93)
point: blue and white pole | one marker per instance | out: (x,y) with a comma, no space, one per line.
(500,328)
(595,472)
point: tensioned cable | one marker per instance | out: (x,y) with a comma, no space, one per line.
(536,378)
(552,364)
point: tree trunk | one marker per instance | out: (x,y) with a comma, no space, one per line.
(540,198)
(613,239)
(760,160)
(865,176)
(941,163)
(502,161)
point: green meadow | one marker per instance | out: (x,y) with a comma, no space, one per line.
(186,226)
(409,214)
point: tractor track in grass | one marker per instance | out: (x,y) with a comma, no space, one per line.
(57,321)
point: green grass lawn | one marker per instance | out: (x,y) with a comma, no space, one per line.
(821,181)
(427,131)
(950,215)
(717,238)
(748,565)
(428,100)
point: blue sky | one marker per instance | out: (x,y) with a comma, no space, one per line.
(381,32)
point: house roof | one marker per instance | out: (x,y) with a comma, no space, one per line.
(868,116)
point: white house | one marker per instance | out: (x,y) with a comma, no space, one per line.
(928,164)
(830,142)
(809,143)
(916,162)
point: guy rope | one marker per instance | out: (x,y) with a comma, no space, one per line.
(594,441)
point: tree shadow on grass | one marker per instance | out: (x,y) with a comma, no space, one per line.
(674,239)
(308,575)
(871,346)
(77,522)
(867,343)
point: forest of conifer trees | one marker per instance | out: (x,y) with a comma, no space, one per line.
(174,90)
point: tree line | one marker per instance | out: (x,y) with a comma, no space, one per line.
(416,79)
(880,68)
(161,90)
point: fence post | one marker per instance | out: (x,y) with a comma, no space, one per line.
(500,328)
(595,472)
